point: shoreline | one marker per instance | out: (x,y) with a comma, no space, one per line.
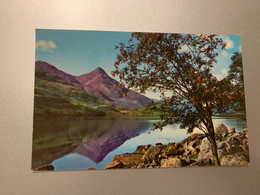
(193,151)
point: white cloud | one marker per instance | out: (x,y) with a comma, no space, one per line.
(219,77)
(240,48)
(46,46)
(226,39)
(224,71)
(229,44)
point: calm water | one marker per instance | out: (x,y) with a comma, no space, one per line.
(70,143)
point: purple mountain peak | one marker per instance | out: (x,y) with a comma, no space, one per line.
(99,70)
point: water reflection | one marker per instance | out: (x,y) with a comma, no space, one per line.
(78,143)
(92,137)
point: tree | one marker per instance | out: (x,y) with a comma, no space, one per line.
(181,64)
(237,78)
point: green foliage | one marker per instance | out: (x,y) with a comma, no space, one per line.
(158,62)
(237,77)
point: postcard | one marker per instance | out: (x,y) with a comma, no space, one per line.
(116,100)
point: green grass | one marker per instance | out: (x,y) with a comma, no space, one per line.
(54,96)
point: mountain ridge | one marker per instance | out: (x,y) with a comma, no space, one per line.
(99,84)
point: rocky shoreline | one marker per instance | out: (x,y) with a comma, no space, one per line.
(195,150)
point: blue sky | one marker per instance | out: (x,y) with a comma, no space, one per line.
(79,52)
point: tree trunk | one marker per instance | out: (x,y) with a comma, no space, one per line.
(212,140)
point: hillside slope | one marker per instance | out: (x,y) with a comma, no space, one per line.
(54,95)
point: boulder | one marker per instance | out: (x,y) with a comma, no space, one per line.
(170,150)
(222,146)
(171,162)
(205,149)
(233,160)
(231,130)
(152,153)
(234,140)
(220,129)
(126,160)
(141,149)
(224,134)
(115,164)
(141,165)
(195,136)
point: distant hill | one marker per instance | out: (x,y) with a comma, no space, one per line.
(58,95)
(156,100)
(99,84)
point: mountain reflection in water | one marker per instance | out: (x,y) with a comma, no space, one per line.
(92,137)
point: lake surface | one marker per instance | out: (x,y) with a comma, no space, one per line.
(75,143)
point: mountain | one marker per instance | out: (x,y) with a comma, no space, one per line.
(54,95)
(53,70)
(99,84)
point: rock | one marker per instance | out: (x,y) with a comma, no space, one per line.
(224,134)
(170,150)
(44,168)
(141,149)
(154,163)
(205,149)
(141,165)
(231,130)
(235,149)
(171,162)
(245,144)
(158,144)
(177,145)
(152,153)
(233,160)
(186,160)
(126,160)
(190,148)
(91,168)
(220,129)
(222,146)
(180,151)
(220,152)
(195,135)
(115,164)
(234,140)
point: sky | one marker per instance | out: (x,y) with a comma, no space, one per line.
(79,52)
